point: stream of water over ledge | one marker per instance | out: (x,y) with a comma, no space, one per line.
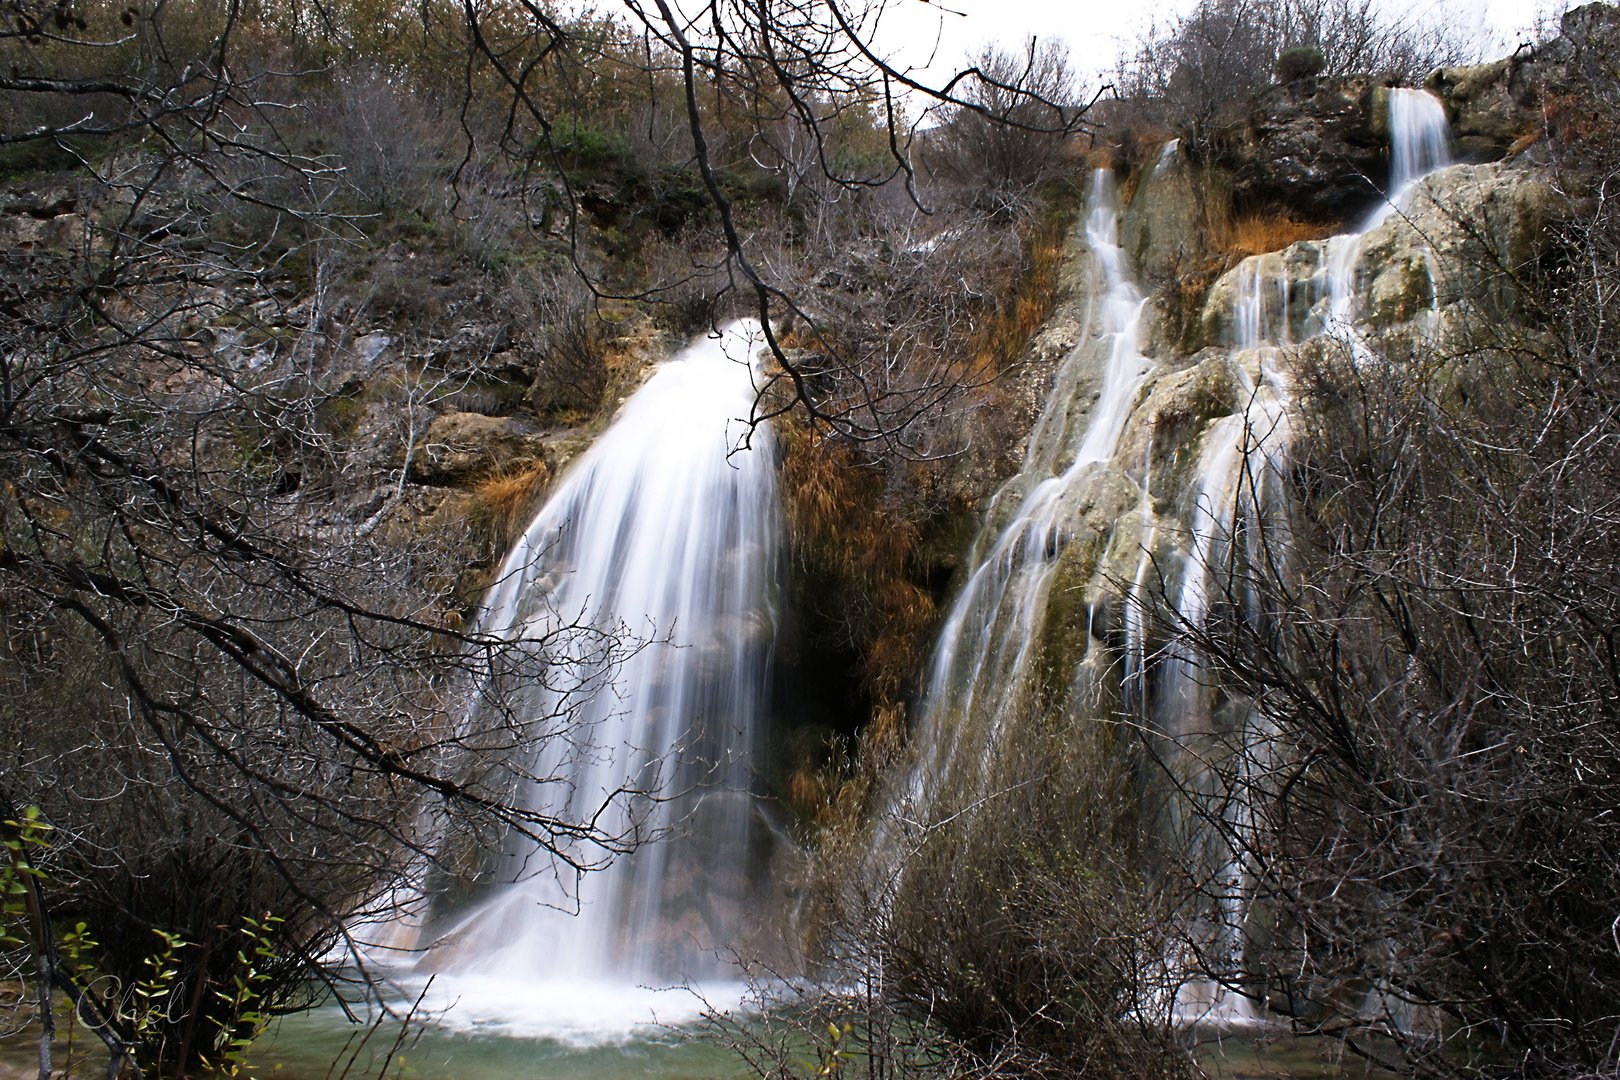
(663,539)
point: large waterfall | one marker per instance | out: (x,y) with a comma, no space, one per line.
(1093,521)
(663,537)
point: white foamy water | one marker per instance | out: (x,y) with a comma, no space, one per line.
(665,530)
(578,1012)
(983,656)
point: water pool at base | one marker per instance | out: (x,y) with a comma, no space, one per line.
(325,1045)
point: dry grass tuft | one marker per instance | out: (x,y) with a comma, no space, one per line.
(508,501)
(1529,137)
(1257,234)
(1000,341)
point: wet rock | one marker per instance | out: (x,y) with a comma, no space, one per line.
(1486,116)
(1195,394)
(1456,234)
(1164,228)
(1313,146)
(1460,231)
(1295,284)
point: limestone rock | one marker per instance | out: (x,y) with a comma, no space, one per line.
(462,449)
(1486,115)
(1164,227)
(1496,107)
(1456,234)
(1296,283)
(1313,146)
(1460,230)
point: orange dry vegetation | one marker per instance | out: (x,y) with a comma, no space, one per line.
(1000,340)
(1099,156)
(1572,119)
(844,535)
(1531,135)
(508,501)
(1256,234)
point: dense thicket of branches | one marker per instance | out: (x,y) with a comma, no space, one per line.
(1430,815)
(1196,72)
(228,698)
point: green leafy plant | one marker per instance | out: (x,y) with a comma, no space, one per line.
(834,1056)
(32,833)
(148,998)
(246,997)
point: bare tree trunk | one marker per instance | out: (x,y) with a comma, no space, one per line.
(39,930)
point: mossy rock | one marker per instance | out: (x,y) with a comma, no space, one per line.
(463,449)
(1065,633)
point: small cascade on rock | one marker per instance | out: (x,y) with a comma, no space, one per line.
(1418,145)
(983,664)
(1235,495)
(665,532)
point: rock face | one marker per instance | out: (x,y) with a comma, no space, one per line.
(46,215)
(1315,146)
(1448,246)
(1490,106)
(1504,106)
(462,449)
(1165,227)
(1461,228)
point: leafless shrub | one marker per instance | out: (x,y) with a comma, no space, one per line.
(390,141)
(1196,72)
(1428,658)
(1009,934)
(997,155)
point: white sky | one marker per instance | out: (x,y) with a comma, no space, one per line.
(1097,31)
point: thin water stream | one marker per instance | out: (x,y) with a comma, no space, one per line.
(982,660)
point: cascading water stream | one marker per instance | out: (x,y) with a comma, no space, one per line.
(1418,145)
(982,659)
(1240,468)
(984,664)
(666,529)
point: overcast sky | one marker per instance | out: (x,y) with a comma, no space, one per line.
(1097,30)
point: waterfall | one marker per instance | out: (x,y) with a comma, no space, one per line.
(1223,503)
(665,530)
(1418,145)
(982,664)
(1239,472)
